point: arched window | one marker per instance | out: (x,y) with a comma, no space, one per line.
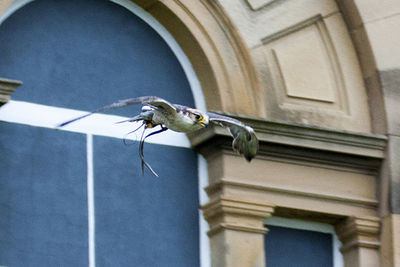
(66,192)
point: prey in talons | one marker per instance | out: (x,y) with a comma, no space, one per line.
(159,112)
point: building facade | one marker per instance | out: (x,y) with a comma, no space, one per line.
(317,80)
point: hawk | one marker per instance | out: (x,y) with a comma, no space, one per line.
(159,112)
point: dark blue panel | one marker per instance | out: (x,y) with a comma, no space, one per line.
(297,248)
(85,54)
(43,204)
(144,220)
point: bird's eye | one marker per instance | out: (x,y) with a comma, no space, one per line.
(198,117)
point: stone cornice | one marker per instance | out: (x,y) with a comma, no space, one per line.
(236,206)
(304,136)
(350,200)
(7,87)
(357,232)
(356,152)
(236,214)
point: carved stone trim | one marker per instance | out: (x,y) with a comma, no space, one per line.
(356,201)
(216,49)
(259,4)
(7,87)
(236,214)
(237,227)
(312,137)
(359,232)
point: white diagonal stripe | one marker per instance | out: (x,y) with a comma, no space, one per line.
(97,124)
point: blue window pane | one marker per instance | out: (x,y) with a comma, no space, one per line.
(286,247)
(84,54)
(145,220)
(43,204)
(91,53)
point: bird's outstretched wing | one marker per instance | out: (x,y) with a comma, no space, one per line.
(151,100)
(244,139)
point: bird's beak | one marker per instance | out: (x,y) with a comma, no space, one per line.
(203,122)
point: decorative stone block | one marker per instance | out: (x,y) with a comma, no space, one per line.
(360,239)
(305,67)
(356,232)
(257,4)
(236,214)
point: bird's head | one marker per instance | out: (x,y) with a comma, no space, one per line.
(198,117)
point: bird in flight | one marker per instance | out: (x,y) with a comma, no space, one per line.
(159,112)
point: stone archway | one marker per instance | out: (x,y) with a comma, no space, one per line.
(216,50)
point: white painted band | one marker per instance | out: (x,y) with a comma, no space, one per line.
(91,207)
(97,124)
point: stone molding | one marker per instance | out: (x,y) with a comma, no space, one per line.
(302,136)
(259,4)
(236,214)
(359,232)
(358,155)
(217,187)
(7,87)
(219,55)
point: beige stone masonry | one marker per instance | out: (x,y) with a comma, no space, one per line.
(258,4)
(216,50)
(360,239)
(293,178)
(291,182)
(236,214)
(307,75)
(375,27)
(306,63)
(317,86)
(237,230)
(271,17)
(4,4)
(390,239)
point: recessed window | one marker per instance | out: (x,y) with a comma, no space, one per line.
(298,243)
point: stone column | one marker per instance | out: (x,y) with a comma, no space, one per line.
(360,239)
(236,231)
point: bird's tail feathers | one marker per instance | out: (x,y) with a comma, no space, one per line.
(70,121)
